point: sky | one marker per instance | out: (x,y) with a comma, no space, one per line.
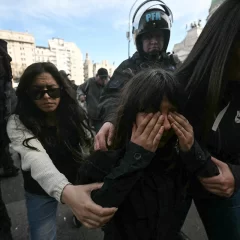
(98,27)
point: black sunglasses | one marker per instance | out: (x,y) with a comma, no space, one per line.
(37,94)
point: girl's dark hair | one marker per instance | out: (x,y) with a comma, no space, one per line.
(71,118)
(203,72)
(144,93)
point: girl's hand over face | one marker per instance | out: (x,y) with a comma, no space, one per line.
(183,130)
(148,130)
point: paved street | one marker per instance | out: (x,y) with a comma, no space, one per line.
(12,190)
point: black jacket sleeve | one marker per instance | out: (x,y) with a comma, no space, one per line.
(198,162)
(120,179)
(109,100)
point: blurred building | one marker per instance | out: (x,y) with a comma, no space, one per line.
(65,55)
(44,54)
(214,5)
(21,48)
(91,68)
(183,48)
(88,68)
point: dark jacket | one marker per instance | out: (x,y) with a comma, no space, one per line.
(5,87)
(61,157)
(93,91)
(5,111)
(147,188)
(125,71)
(223,143)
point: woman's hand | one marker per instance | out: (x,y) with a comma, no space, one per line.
(183,130)
(87,212)
(104,137)
(223,184)
(148,130)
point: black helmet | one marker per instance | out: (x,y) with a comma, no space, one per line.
(153,19)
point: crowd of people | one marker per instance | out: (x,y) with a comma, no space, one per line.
(129,155)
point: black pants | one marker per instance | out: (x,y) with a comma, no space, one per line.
(5,222)
(220,217)
(6,158)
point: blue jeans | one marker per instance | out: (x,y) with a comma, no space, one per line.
(41,211)
(221,217)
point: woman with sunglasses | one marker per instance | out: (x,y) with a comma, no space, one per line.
(49,130)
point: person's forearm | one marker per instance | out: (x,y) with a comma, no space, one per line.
(198,162)
(45,173)
(122,179)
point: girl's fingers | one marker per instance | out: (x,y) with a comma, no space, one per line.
(150,125)
(141,127)
(156,128)
(181,121)
(179,133)
(158,136)
(180,128)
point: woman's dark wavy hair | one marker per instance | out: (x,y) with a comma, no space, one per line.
(71,118)
(203,72)
(144,93)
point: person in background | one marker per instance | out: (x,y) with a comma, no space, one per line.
(49,130)
(7,163)
(5,111)
(91,90)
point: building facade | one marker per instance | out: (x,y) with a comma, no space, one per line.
(65,55)
(104,64)
(21,48)
(44,54)
(214,5)
(183,48)
(91,68)
(88,68)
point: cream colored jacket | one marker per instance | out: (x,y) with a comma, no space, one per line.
(37,162)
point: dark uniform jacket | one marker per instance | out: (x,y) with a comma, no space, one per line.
(124,72)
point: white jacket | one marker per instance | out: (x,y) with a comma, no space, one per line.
(37,162)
